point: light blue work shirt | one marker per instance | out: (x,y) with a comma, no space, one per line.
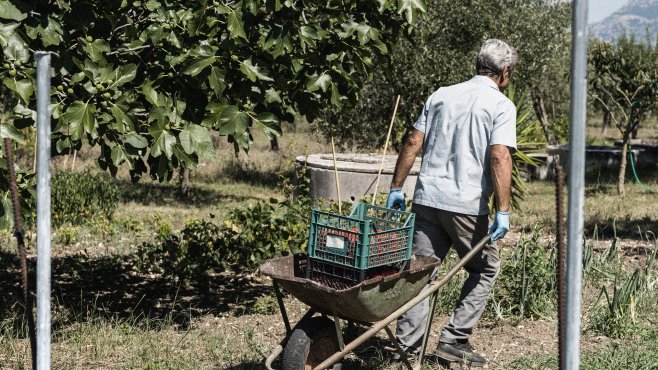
(460,123)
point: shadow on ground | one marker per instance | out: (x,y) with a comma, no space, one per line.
(639,229)
(88,288)
(169,195)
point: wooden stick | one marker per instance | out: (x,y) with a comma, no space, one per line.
(388,136)
(333,149)
(75,153)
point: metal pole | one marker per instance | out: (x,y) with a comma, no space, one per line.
(578,115)
(43,210)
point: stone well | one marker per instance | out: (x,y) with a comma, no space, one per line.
(357,175)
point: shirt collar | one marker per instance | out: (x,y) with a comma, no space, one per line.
(484,80)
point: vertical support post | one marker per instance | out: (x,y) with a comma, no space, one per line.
(578,116)
(43,210)
(282,307)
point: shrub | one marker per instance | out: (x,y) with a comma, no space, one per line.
(78,198)
(67,235)
(246,238)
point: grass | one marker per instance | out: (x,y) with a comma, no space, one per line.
(632,216)
(639,353)
(108,315)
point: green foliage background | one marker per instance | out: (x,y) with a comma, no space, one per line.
(442,52)
(148,81)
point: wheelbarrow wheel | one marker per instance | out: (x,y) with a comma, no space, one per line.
(312,342)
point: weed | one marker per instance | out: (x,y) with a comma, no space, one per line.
(616,318)
(67,234)
(265,305)
(526,284)
(130,224)
(636,354)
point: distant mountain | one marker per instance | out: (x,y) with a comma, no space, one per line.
(637,16)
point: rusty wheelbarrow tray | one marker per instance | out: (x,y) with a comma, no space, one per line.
(375,302)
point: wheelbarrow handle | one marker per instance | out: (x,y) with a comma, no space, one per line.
(433,287)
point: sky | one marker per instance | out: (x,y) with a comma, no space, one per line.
(599,9)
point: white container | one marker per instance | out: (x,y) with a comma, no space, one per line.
(357,175)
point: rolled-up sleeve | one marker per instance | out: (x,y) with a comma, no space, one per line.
(421,122)
(504,125)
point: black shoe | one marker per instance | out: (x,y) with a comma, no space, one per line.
(460,351)
(412,355)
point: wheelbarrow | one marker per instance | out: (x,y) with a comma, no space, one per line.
(316,342)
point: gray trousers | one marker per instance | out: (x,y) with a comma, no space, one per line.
(435,232)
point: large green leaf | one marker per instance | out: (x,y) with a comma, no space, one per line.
(135,140)
(189,160)
(196,139)
(253,72)
(7,31)
(215,110)
(272,96)
(124,74)
(232,120)
(198,66)
(151,95)
(163,142)
(80,117)
(269,124)
(234,20)
(317,82)
(120,155)
(121,117)
(411,8)
(217,80)
(11,132)
(23,88)
(95,49)
(15,48)
(9,11)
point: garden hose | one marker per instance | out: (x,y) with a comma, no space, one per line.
(637,178)
(630,151)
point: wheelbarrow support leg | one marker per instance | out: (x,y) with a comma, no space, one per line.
(428,327)
(399,349)
(282,308)
(339,330)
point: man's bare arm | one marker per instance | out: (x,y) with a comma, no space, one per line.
(406,158)
(501,175)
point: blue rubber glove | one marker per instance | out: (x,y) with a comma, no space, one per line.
(500,226)
(396,200)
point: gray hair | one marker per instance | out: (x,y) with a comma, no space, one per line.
(494,56)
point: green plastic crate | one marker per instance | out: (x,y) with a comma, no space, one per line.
(369,237)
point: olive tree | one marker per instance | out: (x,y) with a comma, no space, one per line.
(442,51)
(624,82)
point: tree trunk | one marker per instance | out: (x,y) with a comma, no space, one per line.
(622,166)
(634,132)
(274,144)
(183,180)
(540,112)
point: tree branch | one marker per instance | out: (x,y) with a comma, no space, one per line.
(129,50)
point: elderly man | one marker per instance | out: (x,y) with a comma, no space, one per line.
(468,133)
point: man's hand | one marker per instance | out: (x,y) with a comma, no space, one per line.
(500,226)
(396,200)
